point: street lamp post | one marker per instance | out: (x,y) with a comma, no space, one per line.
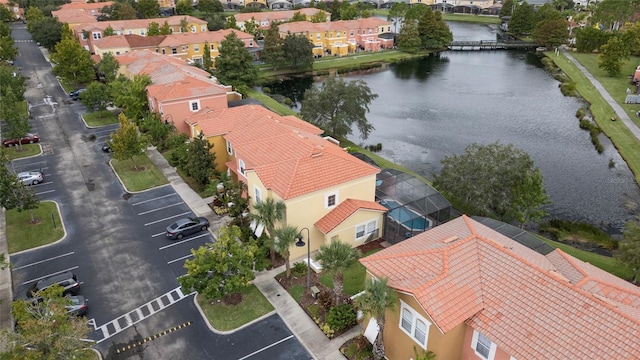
(301,243)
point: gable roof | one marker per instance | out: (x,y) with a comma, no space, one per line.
(298,160)
(271,16)
(306,27)
(342,212)
(532,306)
(73,16)
(122,25)
(188,87)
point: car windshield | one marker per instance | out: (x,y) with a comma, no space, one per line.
(173,226)
(75,300)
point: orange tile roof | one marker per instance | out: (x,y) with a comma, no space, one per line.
(287,153)
(342,212)
(74,16)
(122,25)
(187,88)
(86,5)
(199,38)
(277,15)
(340,25)
(463,271)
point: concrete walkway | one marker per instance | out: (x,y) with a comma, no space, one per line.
(620,112)
(302,326)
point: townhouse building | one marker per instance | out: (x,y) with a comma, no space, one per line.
(264,19)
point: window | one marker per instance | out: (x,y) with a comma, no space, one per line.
(203,28)
(194,105)
(142,32)
(213,47)
(251,43)
(229,148)
(84,36)
(330,200)
(196,47)
(193,29)
(414,325)
(164,51)
(483,346)
(363,230)
(185,48)
(97,35)
(174,50)
(241,166)
(130,32)
(257,194)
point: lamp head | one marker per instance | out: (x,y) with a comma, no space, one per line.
(300,242)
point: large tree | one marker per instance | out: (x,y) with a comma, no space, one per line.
(47,32)
(269,212)
(298,50)
(629,248)
(234,63)
(416,11)
(490,179)
(337,105)
(551,33)
(131,95)
(148,9)
(397,13)
(16,123)
(409,37)
(220,268)
(216,21)
(200,160)
(377,299)
(108,67)
(522,21)
(207,61)
(44,330)
(7,49)
(434,32)
(507,7)
(96,97)
(612,55)
(127,142)
(72,62)
(318,17)
(283,238)
(210,6)
(13,193)
(336,258)
(273,51)
(183,7)
(614,13)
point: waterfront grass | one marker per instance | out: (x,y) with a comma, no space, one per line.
(616,86)
(628,145)
(22,234)
(27,150)
(482,19)
(100,118)
(145,177)
(225,317)
(272,104)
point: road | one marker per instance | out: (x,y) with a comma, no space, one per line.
(115,242)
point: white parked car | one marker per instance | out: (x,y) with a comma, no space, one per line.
(31,177)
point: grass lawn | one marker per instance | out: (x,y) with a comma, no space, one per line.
(22,234)
(146,177)
(353,277)
(272,104)
(605,263)
(14,152)
(386,56)
(454,17)
(296,292)
(100,118)
(628,145)
(228,317)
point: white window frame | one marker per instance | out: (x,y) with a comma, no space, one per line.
(194,105)
(193,29)
(257,194)
(196,47)
(84,36)
(241,167)
(367,228)
(474,345)
(327,197)
(415,317)
(203,28)
(142,32)
(96,35)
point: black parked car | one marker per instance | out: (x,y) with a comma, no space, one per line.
(187,226)
(78,305)
(67,280)
(75,94)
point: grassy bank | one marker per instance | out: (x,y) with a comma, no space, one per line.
(628,145)
(482,19)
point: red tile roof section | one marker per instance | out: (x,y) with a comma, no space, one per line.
(285,152)
(277,15)
(342,212)
(122,25)
(187,88)
(306,27)
(512,294)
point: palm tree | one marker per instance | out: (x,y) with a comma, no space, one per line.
(375,301)
(336,257)
(268,212)
(283,238)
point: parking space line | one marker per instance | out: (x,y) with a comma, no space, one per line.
(266,347)
(55,273)
(183,241)
(161,208)
(167,218)
(178,259)
(158,234)
(42,261)
(154,199)
(43,183)
(45,192)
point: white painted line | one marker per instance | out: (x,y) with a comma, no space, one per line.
(154,199)
(45,192)
(55,273)
(167,218)
(158,234)
(161,208)
(178,259)
(92,322)
(105,332)
(42,261)
(128,319)
(140,314)
(42,183)
(266,347)
(180,293)
(183,241)
(116,325)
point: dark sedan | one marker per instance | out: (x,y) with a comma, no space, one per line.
(78,306)
(27,139)
(76,94)
(186,226)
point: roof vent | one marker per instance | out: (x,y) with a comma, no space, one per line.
(449,240)
(604,299)
(329,138)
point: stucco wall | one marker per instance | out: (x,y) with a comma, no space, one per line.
(468,352)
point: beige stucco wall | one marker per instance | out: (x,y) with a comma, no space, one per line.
(399,346)
(469,354)
(114,51)
(346,231)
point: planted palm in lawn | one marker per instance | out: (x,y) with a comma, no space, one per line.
(23,233)
(336,258)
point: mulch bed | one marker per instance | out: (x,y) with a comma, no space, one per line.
(357,348)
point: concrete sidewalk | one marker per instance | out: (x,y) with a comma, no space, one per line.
(302,326)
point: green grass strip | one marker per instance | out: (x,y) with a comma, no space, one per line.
(23,234)
(229,317)
(14,152)
(100,118)
(145,177)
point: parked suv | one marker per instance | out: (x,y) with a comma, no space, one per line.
(67,280)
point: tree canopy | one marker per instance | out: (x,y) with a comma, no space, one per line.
(210,6)
(234,63)
(397,14)
(375,301)
(336,258)
(273,51)
(337,105)
(200,160)
(127,142)
(522,20)
(148,9)
(131,95)
(72,62)
(612,56)
(434,32)
(629,248)
(298,50)
(108,67)
(96,97)
(494,180)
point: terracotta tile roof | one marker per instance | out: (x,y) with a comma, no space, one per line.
(277,15)
(86,5)
(342,212)
(200,38)
(74,16)
(297,162)
(306,27)
(187,88)
(112,42)
(122,25)
(462,271)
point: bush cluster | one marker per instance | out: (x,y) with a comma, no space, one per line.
(341,317)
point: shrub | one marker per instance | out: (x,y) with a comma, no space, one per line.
(288,102)
(266,90)
(581,113)
(299,269)
(325,299)
(341,317)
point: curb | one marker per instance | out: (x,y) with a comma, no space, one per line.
(32,156)
(135,192)
(228,332)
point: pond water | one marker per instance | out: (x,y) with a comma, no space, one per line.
(430,108)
